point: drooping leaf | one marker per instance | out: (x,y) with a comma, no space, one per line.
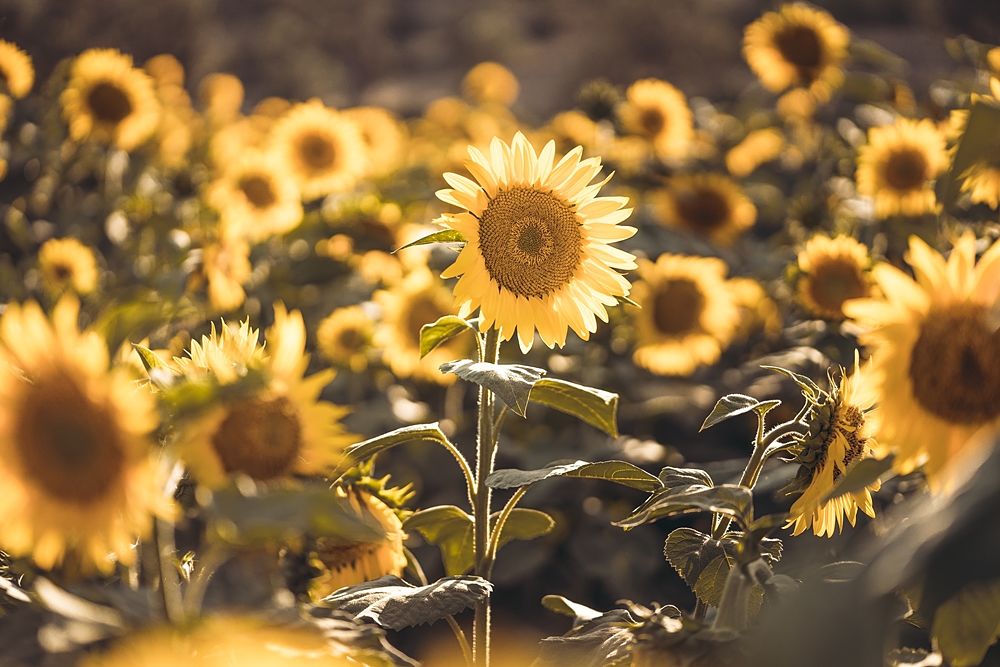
(511,383)
(732,500)
(732,405)
(679,477)
(451,530)
(596,407)
(443,330)
(394,604)
(602,641)
(809,388)
(363,451)
(524,524)
(967,625)
(443,236)
(566,607)
(859,476)
(619,472)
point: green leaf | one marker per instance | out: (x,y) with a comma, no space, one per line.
(603,641)
(512,383)
(594,406)
(809,388)
(149,358)
(967,624)
(446,328)
(712,581)
(859,476)
(394,604)
(673,478)
(690,551)
(979,143)
(443,236)
(732,500)
(732,405)
(566,607)
(362,451)
(619,472)
(451,530)
(524,524)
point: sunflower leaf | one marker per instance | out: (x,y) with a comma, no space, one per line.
(979,143)
(594,406)
(732,405)
(512,383)
(566,607)
(619,472)
(443,236)
(731,500)
(859,476)
(968,624)
(690,551)
(362,451)
(809,388)
(435,334)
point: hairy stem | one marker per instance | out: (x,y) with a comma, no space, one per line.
(494,546)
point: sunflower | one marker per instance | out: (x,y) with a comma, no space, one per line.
(688,315)
(80,481)
(898,165)
(383,135)
(982,182)
(840,435)
(226,268)
(109,100)
(256,197)
(419,298)
(16,71)
(711,206)
(797,46)
(342,565)
(936,353)
(831,271)
(659,112)
(344,337)
(757,147)
(491,83)
(538,251)
(280,430)
(323,150)
(67,264)
(221,96)
(572,128)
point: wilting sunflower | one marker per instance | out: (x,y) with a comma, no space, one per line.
(280,430)
(936,353)
(659,112)
(17,74)
(688,313)
(982,182)
(797,46)
(383,135)
(226,268)
(491,83)
(322,149)
(256,197)
(109,100)
(342,565)
(538,251)
(79,478)
(831,271)
(757,147)
(711,206)
(344,337)
(67,264)
(898,165)
(419,298)
(841,427)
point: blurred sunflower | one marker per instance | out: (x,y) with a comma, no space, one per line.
(757,148)
(936,353)
(383,135)
(538,251)
(572,128)
(280,430)
(710,206)
(982,182)
(688,313)
(840,434)
(490,83)
(419,298)
(17,74)
(109,100)
(659,112)
(342,565)
(80,481)
(344,337)
(67,264)
(898,165)
(226,268)
(323,150)
(797,46)
(831,271)
(221,96)
(256,197)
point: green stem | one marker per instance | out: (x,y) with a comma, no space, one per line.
(170,583)
(491,553)
(194,596)
(418,572)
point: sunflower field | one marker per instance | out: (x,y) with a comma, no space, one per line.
(655,379)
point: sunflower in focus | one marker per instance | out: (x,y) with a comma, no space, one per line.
(657,111)
(689,314)
(321,148)
(936,353)
(109,100)
(799,47)
(254,196)
(274,432)
(538,252)
(710,206)
(67,264)
(982,182)
(832,271)
(491,83)
(226,268)
(80,479)
(757,148)
(841,427)
(16,71)
(898,165)
(383,135)
(342,565)
(344,337)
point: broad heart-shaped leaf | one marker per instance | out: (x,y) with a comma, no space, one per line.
(619,472)
(732,500)
(566,607)
(596,407)
(394,604)
(673,478)
(691,551)
(366,449)
(512,383)
(732,405)
(446,328)
(967,624)
(711,581)
(860,475)
(443,236)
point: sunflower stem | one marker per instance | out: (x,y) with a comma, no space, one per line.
(491,553)
(418,572)
(170,583)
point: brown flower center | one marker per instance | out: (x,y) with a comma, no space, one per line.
(352,339)
(259,437)
(955,365)
(530,241)
(906,169)
(834,281)
(316,151)
(61,272)
(848,419)
(801,46)
(109,103)
(258,190)
(652,120)
(69,446)
(677,307)
(702,209)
